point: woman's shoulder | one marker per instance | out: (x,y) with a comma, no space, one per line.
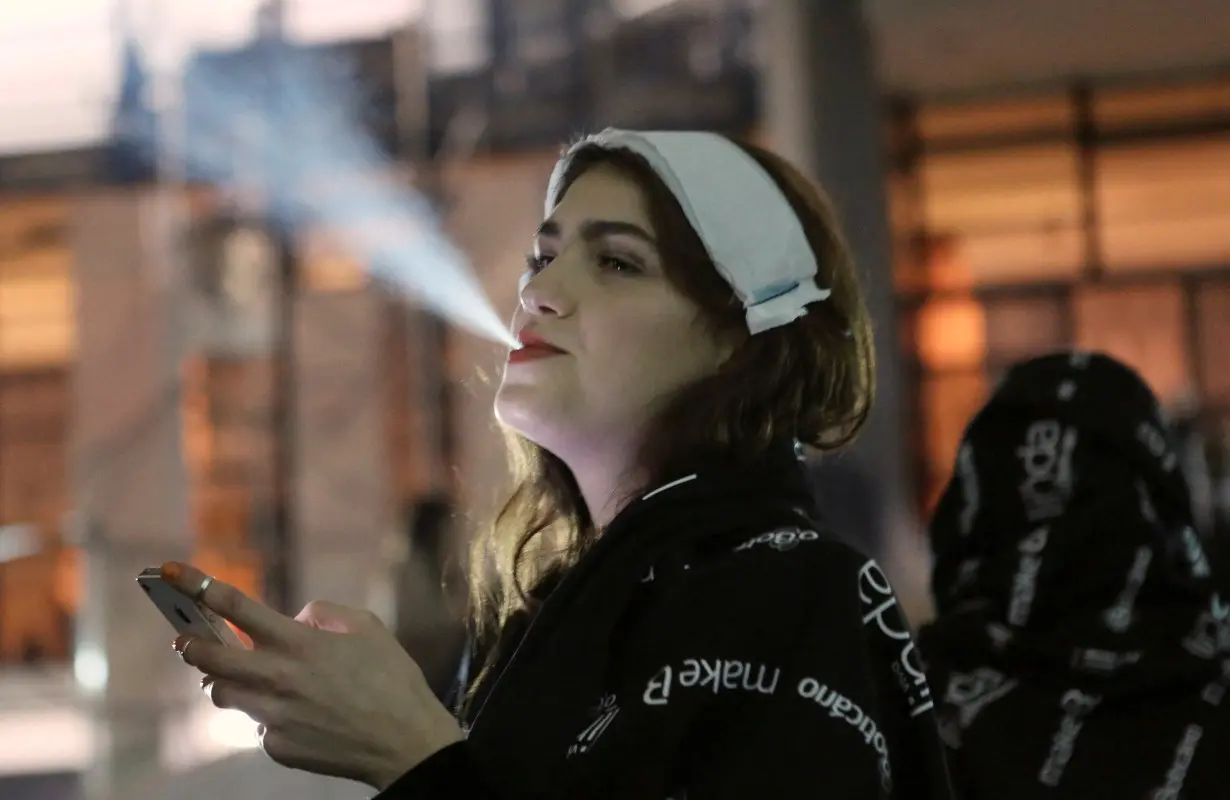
(784,569)
(791,553)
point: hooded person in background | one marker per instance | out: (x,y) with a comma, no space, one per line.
(1080,646)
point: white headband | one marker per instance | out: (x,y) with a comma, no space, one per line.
(748,227)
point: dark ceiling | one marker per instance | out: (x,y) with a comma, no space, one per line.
(941,46)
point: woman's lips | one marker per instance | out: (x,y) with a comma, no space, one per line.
(533,352)
(533,347)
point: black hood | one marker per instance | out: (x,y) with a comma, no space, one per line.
(1064,546)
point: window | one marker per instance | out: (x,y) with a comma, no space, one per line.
(1213,335)
(993,244)
(947,336)
(34,414)
(1015,213)
(34,491)
(1143,326)
(1165,205)
(1024,326)
(941,125)
(1162,105)
(327,267)
(228,446)
(37,340)
(948,403)
(37,320)
(950,334)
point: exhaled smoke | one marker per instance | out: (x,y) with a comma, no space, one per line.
(282,126)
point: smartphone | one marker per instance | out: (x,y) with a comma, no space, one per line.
(185,614)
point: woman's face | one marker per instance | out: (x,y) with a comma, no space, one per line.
(618,336)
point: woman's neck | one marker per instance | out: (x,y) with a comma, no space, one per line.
(605,483)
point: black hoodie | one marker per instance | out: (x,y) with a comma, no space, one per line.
(1080,645)
(714,643)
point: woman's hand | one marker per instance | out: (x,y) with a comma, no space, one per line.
(333,691)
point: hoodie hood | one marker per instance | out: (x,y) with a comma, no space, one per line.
(1064,546)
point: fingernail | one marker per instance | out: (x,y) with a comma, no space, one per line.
(181,644)
(207,682)
(171,570)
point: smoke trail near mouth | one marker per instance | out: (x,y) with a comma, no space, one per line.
(284,124)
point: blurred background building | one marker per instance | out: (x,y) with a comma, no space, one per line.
(178,378)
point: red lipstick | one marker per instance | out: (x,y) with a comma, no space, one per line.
(533,347)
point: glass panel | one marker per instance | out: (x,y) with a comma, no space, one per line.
(948,403)
(37,322)
(229,447)
(232,454)
(1163,104)
(951,334)
(1213,318)
(1015,117)
(1143,326)
(1015,213)
(1165,204)
(937,263)
(1001,188)
(34,491)
(326,269)
(241,394)
(33,626)
(33,439)
(1022,327)
(30,225)
(1048,252)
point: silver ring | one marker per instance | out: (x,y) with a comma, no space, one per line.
(199,594)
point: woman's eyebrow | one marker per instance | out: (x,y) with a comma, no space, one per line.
(592,229)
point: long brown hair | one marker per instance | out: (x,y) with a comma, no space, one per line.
(812,379)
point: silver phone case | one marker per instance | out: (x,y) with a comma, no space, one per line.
(185,614)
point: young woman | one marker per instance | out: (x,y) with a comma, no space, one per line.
(668,619)
(1081,649)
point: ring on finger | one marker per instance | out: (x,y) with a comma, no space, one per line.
(206,582)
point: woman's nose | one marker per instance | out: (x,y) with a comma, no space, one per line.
(545,294)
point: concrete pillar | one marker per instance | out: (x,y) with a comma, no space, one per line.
(824,111)
(128,478)
(344,513)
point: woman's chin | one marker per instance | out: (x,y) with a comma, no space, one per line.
(520,408)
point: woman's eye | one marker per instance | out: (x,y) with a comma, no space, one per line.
(619,264)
